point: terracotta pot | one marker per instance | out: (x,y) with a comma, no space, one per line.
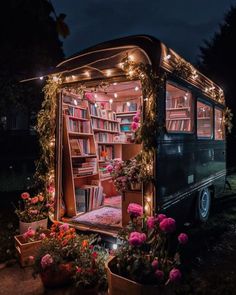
(57,278)
(118,285)
(43,223)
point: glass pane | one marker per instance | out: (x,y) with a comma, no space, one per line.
(204,120)
(219,129)
(179,109)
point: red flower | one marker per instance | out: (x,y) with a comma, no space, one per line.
(25,196)
(95,255)
(183,238)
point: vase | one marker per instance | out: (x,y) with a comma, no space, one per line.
(61,277)
(43,223)
(118,285)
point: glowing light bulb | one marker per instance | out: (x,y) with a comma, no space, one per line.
(148,199)
(128,103)
(136,88)
(41,78)
(131,57)
(75,102)
(115,84)
(95,105)
(114,246)
(95,95)
(146,208)
(87,74)
(73,77)
(111,100)
(115,95)
(166,58)
(108,73)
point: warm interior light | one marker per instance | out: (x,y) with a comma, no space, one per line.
(87,74)
(114,83)
(41,78)
(167,57)
(75,102)
(128,103)
(95,95)
(110,100)
(136,88)
(95,105)
(115,95)
(131,57)
(73,77)
(108,73)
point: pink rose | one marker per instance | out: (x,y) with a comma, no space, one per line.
(46,260)
(159,274)
(183,238)
(25,196)
(51,189)
(30,233)
(174,275)
(136,238)
(134,126)
(52,235)
(167,225)
(42,236)
(160,217)
(135,210)
(64,227)
(89,96)
(109,168)
(151,221)
(136,118)
(34,200)
(155,263)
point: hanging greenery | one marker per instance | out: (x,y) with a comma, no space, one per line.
(227,120)
(46,124)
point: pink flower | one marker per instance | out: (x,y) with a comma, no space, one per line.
(167,225)
(135,210)
(30,232)
(89,96)
(64,227)
(155,263)
(34,200)
(41,198)
(42,236)
(160,217)
(109,168)
(46,260)
(151,221)
(159,274)
(183,238)
(174,275)
(79,269)
(134,126)
(136,118)
(136,238)
(52,235)
(51,189)
(25,196)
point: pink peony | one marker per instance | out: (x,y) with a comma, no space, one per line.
(41,198)
(159,274)
(167,225)
(136,238)
(134,126)
(155,263)
(46,260)
(64,227)
(183,238)
(151,222)
(136,118)
(42,236)
(174,275)
(25,196)
(30,232)
(160,217)
(135,210)
(34,200)
(109,168)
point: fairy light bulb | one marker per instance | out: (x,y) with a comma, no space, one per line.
(110,100)
(75,102)
(115,95)
(87,74)
(128,103)
(108,73)
(95,95)
(41,78)
(136,88)
(95,105)
(73,77)
(167,57)
(114,246)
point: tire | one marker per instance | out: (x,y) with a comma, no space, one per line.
(203,205)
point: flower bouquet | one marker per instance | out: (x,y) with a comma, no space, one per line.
(145,260)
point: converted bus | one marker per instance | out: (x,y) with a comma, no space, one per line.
(95,108)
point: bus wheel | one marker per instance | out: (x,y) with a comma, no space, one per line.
(203,205)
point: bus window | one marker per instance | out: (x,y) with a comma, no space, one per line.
(179,109)
(204,120)
(219,129)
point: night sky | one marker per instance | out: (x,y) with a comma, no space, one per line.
(180,24)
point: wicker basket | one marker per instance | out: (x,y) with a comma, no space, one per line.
(24,250)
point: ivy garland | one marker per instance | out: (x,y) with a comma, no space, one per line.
(44,175)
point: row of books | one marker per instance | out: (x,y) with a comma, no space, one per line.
(178,125)
(127,107)
(88,197)
(79,126)
(76,112)
(80,146)
(88,167)
(100,124)
(102,112)
(105,152)
(104,137)
(172,114)
(177,102)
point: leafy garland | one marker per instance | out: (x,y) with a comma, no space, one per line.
(227,119)
(44,175)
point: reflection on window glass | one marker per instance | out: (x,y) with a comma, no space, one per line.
(179,109)
(219,127)
(204,120)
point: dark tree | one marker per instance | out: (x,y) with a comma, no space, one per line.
(30,45)
(218,61)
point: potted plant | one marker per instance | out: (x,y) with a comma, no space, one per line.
(90,276)
(33,211)
(54,262)
(144,262)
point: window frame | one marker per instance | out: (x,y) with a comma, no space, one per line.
(192,107)
(223,129)
(211,137)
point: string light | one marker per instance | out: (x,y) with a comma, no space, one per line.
(128,103)
(87,74)
(95,105)
(136,88)
(75,102)
(115,95)
(115,84)
(114,246)
(131,57)
(167,57)
(41,78)
(95,95)
(73,77)
(110,100)
(108,73)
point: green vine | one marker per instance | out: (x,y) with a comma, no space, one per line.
(44,175)
(227,119)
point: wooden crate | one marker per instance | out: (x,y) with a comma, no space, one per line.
(24,250)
